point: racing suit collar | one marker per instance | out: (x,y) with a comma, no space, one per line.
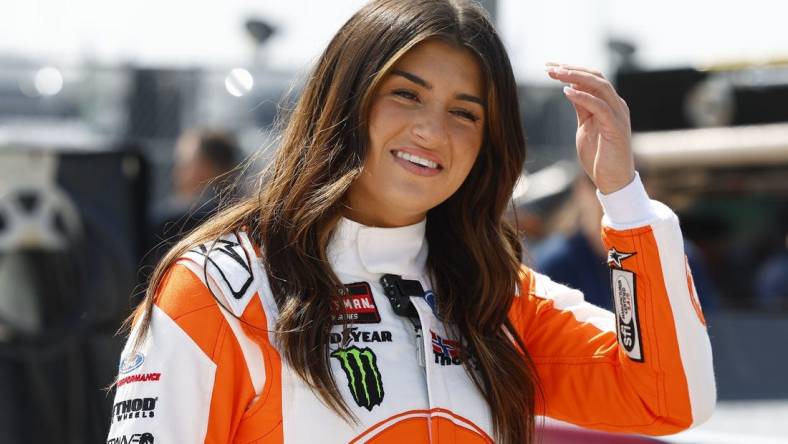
(355,248)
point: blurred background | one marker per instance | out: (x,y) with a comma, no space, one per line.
(113,115)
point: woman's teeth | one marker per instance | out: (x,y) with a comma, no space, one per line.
(416,159)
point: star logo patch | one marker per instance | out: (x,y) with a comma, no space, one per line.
(615,257)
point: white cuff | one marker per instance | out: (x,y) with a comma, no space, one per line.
(628,207)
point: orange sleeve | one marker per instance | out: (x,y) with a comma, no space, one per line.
(646,368)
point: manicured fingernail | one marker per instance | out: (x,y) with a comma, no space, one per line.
(569,91)
(551,64)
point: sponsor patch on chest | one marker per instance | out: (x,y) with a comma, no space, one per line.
(364,381)
(446,351)
(356,305)
(353,334)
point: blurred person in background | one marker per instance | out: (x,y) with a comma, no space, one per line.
(771,277)
(574,254)
(369,290)
(203,162)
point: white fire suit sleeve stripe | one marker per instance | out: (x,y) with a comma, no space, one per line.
(255,362)
(693,341)
(567,299)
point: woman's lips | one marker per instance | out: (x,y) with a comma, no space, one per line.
(415,163)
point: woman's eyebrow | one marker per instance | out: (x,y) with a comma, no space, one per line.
(418,80)
(412,77)
(469,98)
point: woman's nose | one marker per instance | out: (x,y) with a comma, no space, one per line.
(429,128)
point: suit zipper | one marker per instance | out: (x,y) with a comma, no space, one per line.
(420,358)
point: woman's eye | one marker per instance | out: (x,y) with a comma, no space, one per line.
(466,115)
(406,94)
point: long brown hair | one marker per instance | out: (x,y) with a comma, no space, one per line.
(474,255)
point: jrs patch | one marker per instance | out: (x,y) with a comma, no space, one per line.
(622,283)
(356,305)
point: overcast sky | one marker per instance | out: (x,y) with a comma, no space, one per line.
(185,32)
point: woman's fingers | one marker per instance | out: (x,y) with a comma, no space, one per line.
(590,82)
(575,68)
(596,106)
(581,113)
(603,133)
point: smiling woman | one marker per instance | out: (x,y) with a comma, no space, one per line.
(370,291)
(426,126)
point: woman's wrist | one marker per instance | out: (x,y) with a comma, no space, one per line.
(627,206)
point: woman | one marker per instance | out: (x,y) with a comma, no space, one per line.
(369,290)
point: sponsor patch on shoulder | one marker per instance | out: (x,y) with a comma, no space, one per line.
(130,363)
(622,283)
(139,377)
(134,408)
(232,264)
(356,305)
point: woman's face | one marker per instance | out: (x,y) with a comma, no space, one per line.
(426,126)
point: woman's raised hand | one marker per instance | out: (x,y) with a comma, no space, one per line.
(604,133)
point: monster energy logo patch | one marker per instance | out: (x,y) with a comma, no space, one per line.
(363,377)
